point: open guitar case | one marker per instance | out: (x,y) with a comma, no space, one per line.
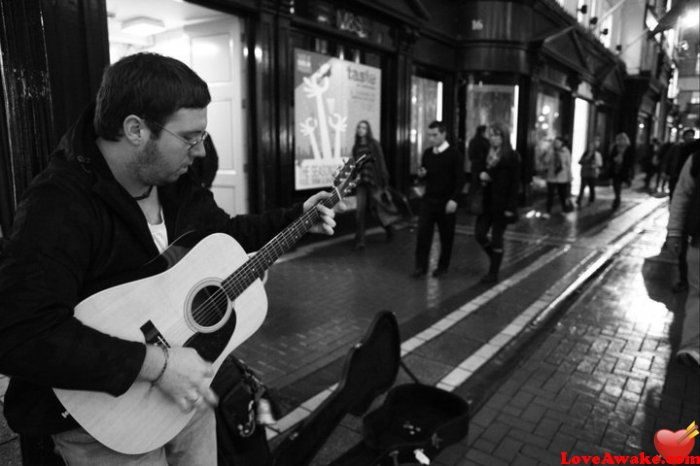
(415,421)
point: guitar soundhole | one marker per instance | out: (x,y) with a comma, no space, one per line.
(209,308)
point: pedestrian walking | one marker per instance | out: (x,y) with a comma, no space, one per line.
(661,174)
(372,183)
(500,180)
(114,193)
(684,229)
(557,163)
(651,163)
(477,151)
(442,170)
(677,157)
(591,162)
(620,166)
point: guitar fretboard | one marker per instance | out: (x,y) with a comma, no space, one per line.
(256,266)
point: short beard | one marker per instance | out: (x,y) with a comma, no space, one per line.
(145,164)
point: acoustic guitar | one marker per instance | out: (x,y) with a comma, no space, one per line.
(210,298)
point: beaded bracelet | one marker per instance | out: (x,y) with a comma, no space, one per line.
(165,364)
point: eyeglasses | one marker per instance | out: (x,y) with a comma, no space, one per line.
(191,142)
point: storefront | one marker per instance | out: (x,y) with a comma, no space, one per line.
(527,64)
(291,79)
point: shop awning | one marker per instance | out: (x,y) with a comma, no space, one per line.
(678,9)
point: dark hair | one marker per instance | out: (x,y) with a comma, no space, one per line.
(481,129)
(688,131)
(504,131)
(150,86)
(439,125)
(369,137)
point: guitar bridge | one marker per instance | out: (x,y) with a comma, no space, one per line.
(153,335)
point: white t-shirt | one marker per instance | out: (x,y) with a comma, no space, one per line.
(159,233)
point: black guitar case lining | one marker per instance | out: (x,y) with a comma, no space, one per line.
(413,416)
(369,370)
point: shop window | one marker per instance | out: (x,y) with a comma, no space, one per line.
(548,124)
(426,107)
(491,103)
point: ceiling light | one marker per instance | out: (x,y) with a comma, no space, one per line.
(143,26)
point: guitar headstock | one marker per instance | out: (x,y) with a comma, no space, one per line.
(345,179)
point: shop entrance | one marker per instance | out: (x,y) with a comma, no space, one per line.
(212,44)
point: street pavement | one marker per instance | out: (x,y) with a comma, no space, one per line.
(570,352)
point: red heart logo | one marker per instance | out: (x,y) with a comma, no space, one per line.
(671,447)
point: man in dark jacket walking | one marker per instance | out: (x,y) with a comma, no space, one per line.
(442,168)
(114,195)
(477,151)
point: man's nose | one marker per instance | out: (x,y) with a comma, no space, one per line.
(198,150)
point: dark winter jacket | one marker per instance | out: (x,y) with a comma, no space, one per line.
(373,171)
(477,151)
(502,192)
(621,169)
(75,230)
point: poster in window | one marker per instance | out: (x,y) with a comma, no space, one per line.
(330,97)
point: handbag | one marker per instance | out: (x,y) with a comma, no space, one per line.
(386,209)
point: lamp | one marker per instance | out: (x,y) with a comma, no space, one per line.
(583,9)
(143,26)
(604,32)
(593,21)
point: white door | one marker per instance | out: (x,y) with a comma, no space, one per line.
(216,49)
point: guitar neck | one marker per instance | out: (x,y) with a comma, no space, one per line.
(256,266)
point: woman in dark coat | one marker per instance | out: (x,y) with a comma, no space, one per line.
(373,180)
(620,165)
(500,179)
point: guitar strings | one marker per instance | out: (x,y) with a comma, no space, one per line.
(241,279)
(206,313)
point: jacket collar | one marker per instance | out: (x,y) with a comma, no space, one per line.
(79,145)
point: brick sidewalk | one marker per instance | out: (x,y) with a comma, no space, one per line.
(603,380)
(321,303)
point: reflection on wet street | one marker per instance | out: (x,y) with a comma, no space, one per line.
(604,379)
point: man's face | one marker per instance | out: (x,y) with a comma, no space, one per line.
(435,137)
(165,159)
(688,136)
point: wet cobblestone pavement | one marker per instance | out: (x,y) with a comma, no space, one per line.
(602,380)
(597,376)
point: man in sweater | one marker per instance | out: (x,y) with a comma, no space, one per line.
(684,224)
(442,169)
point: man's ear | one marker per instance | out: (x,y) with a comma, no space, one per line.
(133,128)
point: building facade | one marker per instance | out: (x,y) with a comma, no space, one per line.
(543,67)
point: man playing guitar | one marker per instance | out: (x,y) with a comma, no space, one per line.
(116,192)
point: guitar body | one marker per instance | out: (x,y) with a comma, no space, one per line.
(182,306)
(210,299)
